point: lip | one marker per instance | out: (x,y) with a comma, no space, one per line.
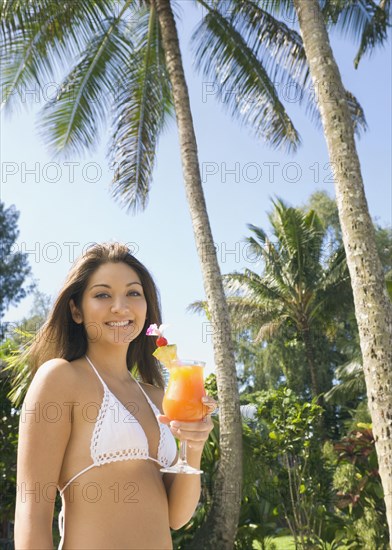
(129,323)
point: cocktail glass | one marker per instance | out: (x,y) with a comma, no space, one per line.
(182,401)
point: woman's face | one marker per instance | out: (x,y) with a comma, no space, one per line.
(113,306)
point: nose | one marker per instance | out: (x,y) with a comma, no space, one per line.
(120,306)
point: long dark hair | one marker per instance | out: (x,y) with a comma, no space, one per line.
(61,337)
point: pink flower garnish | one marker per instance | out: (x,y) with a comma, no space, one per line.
(154,330)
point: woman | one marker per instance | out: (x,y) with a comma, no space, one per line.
(91,430)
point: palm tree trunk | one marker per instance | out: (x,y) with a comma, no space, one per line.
(373,308)
(314,383)
(310,357)
(226,502)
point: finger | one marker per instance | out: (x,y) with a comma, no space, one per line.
(210,404)
(190,436)
(163,419)
(197,432)
(208,400)
(201,425)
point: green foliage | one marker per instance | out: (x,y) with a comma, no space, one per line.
(257,520)
(341,543)
(14,380)
(384,246)
(359,504)
(211,386)
(267,310)
(284,543)
(293,484)
(9,440)
(327,211)
(265,367)
(359,415)
(290,422)
(19,337)
(291,315)
(252,537)
(14,266)
(351,383)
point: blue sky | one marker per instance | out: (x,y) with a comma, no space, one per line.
(63,207)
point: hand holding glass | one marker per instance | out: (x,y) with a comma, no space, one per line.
(182,401)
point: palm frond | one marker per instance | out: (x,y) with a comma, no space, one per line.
(364,20)
(259,232)
(266,295)
(357,114)
(280,50)
(241,82)
(351,385)
(265,251)
(199,306)
(278,46)
(71,121)
(14,15)
(296,281)
(335,281)
(68,23)
(309,100)
(269,330)
(283,8)
(249,306)
(23,68)
(300,238)
(16,368)
(246,312)
(38,39)
(143,106)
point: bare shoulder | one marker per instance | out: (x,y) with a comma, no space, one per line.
(57,368)
(154,393)
(56,376)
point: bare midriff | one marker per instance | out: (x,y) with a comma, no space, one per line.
(117,505)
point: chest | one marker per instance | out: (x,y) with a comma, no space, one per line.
(120,415)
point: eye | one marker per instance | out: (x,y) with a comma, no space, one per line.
(134,293)
(102,295)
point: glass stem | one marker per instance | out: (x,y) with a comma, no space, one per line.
(183,452)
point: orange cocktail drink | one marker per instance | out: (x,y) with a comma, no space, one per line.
(183,396)
(182,400)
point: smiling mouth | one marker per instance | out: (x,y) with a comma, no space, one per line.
(121,324)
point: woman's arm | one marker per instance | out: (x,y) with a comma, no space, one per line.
(184,490)
(44,430)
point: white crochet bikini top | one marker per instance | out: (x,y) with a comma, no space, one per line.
(119,436)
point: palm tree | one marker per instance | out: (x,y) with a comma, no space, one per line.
(297,288)
(372,304)
(226,514)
